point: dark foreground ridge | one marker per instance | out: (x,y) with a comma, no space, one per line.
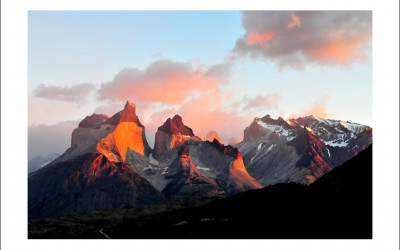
(336,206)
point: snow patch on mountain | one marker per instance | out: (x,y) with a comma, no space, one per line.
(152,160)
(270,147)
(203,168)
(336,144)
(278,130)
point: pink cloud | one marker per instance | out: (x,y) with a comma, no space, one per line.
(265,102)
(210,111)
(158,118)
(164,81)
(339,50)
(295,21)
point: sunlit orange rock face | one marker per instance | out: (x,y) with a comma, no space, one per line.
(240,176)
(235,176)
(109,136)
(129,132)
(172,134)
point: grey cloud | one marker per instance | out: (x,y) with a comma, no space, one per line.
(321,37)
(222,70)
(76,93)
(268,101)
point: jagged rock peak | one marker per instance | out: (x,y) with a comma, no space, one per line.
(226,150)
(269,120)
(92,120)
(129,113)
(176,126)
(129,104)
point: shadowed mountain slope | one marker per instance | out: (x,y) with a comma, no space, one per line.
(337,206)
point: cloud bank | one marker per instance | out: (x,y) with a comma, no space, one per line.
(164,81)
(297,38)
(46,139)
(77,93)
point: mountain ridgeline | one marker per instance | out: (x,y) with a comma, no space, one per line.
(110,164)
(299,150)
(336,206)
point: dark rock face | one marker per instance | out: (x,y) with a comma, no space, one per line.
(87,182)
(280,121)
(172,134)
(254,132)
(93,173)
(93,120)
(185,177)
(213,135)
(336,206)
(300,150)
(176,126)
(314,155)
(223,163)
(209,166)
(226,150)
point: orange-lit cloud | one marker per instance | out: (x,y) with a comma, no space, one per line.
(208,112)
(295,39)
(341,51)
(318,109)
(158,118)
(164,81)
(261,39)
(295,21)
(178,88)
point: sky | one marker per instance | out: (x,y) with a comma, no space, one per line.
(16,19)
(217,69)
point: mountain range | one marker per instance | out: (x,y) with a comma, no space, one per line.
(299,150)
(110,163)
(336,206)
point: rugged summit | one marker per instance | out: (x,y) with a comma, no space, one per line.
(109,136)
(184,163)
(173,133)
(299,150)
(93,120)
(221,162)
(129,133)
(93,173)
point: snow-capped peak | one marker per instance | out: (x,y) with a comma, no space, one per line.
(278,129)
